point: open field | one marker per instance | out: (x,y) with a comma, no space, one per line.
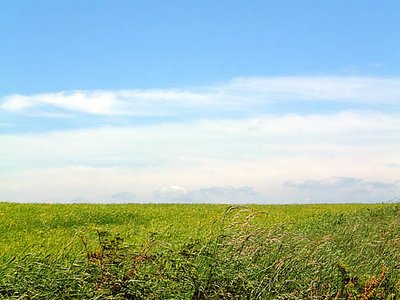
(172,251)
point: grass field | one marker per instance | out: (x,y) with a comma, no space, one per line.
(172,251)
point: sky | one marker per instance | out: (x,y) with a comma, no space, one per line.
(289,101)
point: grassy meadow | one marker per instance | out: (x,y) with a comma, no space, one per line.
(199,251)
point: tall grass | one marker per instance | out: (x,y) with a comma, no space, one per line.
(331,256)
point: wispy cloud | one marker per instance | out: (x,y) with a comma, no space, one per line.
(87,102)
(358,89)
(112,103)
(213,154)
(241,94)
(343,134)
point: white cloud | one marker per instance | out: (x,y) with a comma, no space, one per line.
(17,103)
(132,102)
(240,95)
(207,155)
(171,193)
(359,89)
(103,102)
(346,135)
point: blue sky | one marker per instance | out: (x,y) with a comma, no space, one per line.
(201,101)
(50,46)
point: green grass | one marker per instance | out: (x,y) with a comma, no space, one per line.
(199,251)
(50,227)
